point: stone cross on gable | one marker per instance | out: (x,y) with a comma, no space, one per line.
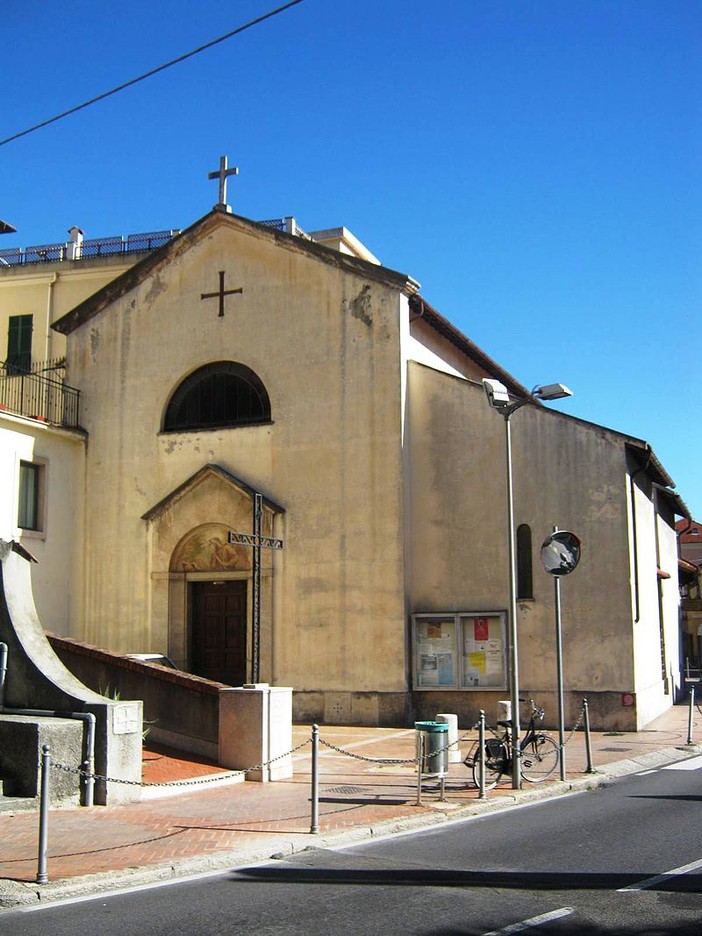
(222,174)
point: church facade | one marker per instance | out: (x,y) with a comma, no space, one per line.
(286,471)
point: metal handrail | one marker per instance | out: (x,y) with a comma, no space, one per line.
(34,394)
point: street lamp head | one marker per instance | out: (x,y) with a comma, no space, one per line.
(499,398)
(554,391)
(496,393)
(7,228)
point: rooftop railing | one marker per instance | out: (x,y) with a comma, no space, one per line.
(87,250)
(39,392)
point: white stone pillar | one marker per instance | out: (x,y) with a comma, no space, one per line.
(255,725)
(454,752)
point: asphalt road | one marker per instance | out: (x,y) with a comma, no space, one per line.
(624,860)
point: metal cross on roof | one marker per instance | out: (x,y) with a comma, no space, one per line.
(222,174)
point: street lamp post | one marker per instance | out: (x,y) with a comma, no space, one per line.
(499,399)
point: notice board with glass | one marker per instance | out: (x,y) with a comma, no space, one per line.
(462,650)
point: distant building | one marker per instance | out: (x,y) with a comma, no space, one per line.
(690,540)
(243,364)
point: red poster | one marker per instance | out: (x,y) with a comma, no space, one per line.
(481,629)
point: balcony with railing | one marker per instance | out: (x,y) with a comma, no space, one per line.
(39,391)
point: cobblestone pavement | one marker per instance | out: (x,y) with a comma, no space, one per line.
(223,821)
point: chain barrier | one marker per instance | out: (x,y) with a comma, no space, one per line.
(370,760)
(394,760)
(578,722)
(390,761)
(80,771)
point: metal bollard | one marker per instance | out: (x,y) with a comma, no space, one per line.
(420,758)
(314,827)
(588,742)
(42,875)
(689,715)
(481,754)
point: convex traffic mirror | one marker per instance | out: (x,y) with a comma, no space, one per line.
(560,552)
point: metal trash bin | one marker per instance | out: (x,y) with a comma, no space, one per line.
(432,748)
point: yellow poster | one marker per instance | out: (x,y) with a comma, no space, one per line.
(476,661)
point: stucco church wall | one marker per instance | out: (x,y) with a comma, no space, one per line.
(324,343)
(566,473)
(573,475)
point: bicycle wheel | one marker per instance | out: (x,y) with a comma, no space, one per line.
(539,758)
(495,764)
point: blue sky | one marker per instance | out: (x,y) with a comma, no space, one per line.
(535,165)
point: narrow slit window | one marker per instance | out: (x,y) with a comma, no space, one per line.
(525,583)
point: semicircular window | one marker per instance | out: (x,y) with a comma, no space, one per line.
(223,393)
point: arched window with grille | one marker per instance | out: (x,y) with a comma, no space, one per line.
(525,583)
(223,393)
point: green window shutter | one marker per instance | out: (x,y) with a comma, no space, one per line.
(19,342)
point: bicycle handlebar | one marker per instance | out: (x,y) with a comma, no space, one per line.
(538,712)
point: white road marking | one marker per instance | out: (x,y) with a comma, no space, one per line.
(660,878)
(693,763)
(532,922)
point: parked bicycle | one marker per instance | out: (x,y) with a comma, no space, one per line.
(538,753)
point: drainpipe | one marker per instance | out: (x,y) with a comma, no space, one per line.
(48,335)
(3,673)
(659,588)
(635,545)
(416,307)
(86,717)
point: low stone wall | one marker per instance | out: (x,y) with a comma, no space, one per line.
(180,710)
(21,740)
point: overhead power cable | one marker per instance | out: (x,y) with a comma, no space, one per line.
(154,71)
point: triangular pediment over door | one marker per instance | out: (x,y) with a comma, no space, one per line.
(201,584)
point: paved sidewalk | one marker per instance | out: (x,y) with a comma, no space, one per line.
(223,822)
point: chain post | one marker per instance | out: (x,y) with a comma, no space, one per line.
(314,827)
(481,755)
(690,715)
(588,743)
(420,756)
(42,874)
(88,775)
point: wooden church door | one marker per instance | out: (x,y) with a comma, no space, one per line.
(218,636)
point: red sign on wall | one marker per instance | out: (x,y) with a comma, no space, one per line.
(481,629)
(628,699)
